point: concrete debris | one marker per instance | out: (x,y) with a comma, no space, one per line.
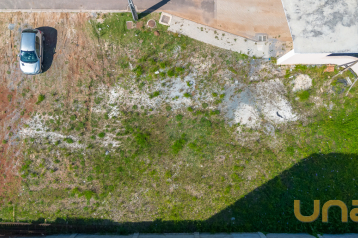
(302,82)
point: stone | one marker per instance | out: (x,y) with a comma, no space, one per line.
(302,82)
(156,33)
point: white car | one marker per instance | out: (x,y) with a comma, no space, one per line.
(31,51)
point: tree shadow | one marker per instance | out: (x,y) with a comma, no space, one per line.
(50,42)
(269,208)
(152,9)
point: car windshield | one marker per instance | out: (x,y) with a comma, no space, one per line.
(28,57)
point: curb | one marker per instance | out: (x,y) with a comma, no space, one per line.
(206,235)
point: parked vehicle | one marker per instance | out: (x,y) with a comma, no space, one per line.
(31,51)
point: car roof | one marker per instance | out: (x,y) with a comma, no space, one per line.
(28,41)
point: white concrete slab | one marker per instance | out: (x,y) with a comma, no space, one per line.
(219,38)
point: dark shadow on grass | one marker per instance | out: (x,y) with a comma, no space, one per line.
(269,208)
(152,9)
(49,46)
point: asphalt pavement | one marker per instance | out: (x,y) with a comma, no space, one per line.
(241,17)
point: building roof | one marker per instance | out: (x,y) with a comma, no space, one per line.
(323,26)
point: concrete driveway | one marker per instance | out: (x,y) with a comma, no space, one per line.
(241,17)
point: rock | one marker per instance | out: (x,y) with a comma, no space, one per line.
(156,72)
(156,33)
(11,26)
(302,82)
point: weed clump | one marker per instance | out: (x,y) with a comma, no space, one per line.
(142,139)
(304,95)
(155,94)
(171,73)
(101,135)
(187,95)
(40,98)
(215,112)
(179,117)
(179,69)
(68,140)
(179,144)
(233,70)
(162,65)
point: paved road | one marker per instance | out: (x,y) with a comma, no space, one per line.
(95,4)
(240,17)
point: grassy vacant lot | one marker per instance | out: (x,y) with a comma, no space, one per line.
(155,168)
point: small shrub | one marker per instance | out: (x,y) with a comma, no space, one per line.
(179,144)
(135,107)
(301,67)
(214,94)
(233,70)
(168,108)
(9,97)
(187,95)
(205,105)
(88,194)
(40,98)
(179,69)
(9,127)
(162,65)
(4,141)
(98,100)
(216,112)
(168,174)
(138,70)
(162,74)
(142,139)
(155,94)
(304,95)
(190,109)
(69,140)
(101,135)
(93,137)
(106,117)
(171,73)
(216,102)
(73,117)
(222,95)
(179,117)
